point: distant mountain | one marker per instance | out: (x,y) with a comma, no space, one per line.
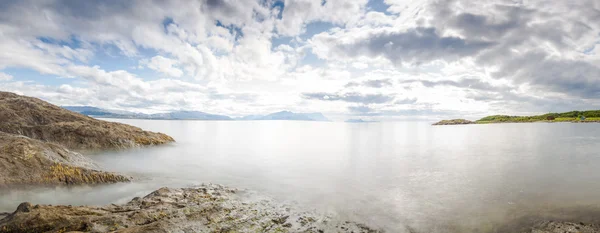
(177,115)
(93,111)
(194,115)
(188,115)
(287,115)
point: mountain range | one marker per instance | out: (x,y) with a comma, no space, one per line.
(193,115)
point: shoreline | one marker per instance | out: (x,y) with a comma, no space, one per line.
(213,207)
(204,208)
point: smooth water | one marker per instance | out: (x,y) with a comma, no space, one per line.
(396,176)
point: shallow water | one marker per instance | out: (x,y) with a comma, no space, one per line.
(393,175)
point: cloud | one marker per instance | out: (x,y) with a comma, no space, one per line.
(405,101)
(374,83)
(468,83)
(5,77)
(576,78)
(296,14)
(165,65)
(360,109)
(537,45)
(339,56)
(415,46)
(351,97)
(360,65)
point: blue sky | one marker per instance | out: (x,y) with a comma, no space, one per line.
(372,59)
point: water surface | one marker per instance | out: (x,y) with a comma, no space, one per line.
(396,175)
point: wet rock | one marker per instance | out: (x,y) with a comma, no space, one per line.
(209,208)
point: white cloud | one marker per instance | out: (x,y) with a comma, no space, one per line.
(5,77)
(360,65)
(298,13)
(431,56)
(165,65)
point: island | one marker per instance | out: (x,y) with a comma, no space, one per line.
(589,116)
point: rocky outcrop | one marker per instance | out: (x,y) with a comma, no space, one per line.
(26,161)
(454,122)
(563,227)
(41,120)
(208,208)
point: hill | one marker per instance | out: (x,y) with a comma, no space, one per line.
(41,120)
(572,116)
(287,115)
(37,139)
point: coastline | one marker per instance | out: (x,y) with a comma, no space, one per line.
(204,208)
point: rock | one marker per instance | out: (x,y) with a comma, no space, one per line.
(208,208)
(561,227)
(41,120)
(26,161)
(454,122)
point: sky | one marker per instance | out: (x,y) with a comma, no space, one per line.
(370,59)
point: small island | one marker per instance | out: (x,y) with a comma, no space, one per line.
(572,116)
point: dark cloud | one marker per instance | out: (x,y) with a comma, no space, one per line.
(224,6)
(477,25)
(534,45)
(375,83)
(576,78)
(352,97)
(470,83)
(418,45)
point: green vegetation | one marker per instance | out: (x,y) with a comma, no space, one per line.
(573,116)
(454,122)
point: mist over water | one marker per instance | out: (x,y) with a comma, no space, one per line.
(396,175)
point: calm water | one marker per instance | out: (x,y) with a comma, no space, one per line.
(396,176)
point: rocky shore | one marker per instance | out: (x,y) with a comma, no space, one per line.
(39,143)
(207,208)
(41,120)
(25,161)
